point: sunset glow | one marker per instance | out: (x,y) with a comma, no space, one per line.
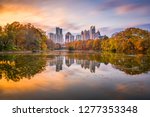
(76,15)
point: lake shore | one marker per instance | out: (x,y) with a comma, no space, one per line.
(49,51)
(15,52)
(64,52)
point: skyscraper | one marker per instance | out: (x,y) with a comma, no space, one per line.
(78,37)
(52,36)
(86,35)
(97,35)
(92,32)
(58,31)
(69,37)
(82,35)
(58,37)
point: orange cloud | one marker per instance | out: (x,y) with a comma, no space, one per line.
(42,16)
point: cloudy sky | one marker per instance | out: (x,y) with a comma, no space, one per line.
(75,15)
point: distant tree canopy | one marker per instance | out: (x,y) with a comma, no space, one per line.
(17,36)
(130,40)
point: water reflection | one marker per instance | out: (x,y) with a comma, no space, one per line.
(75,76)
(86,64)
(131,65)
(58,61)
(16,67)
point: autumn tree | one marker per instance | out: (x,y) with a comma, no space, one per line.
(89,44)
(97,44)
(16,36)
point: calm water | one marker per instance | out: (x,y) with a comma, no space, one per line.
(75,76)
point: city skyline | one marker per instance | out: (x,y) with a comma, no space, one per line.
(74,15)
(86,34)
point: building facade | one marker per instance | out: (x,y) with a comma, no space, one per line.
(69,37)
(90,34)
(85,35)
(57,37)
(97,35)
(78,37)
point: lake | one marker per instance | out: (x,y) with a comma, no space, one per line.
(80,76)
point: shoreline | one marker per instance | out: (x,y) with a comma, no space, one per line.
(48,51)
(15,52)
(63,52)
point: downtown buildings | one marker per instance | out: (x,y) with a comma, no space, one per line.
(85,35)
(57,37)
(78,37)
(69,37)
(90,34)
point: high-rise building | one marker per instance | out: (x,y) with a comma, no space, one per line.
(82,35)
(69,37)
(52,36)
(92,32)
(58,31)
(85,35)
(58,37)
(78,37)
(97,35)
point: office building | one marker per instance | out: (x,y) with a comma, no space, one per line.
(85,35)
(92,32)
(58,37)
(78,37)
(69,37)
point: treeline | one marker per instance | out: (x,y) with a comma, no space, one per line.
(131,40)
(131,65)
(17,36)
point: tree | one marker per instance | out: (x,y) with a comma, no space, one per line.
(97,44)
(128,41)
(89,44)
(50,44)
(16,36)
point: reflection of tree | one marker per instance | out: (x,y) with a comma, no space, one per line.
(133,64)
(129,64)
(16,67)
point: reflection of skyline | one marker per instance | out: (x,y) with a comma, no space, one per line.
(86,64)
(69,61)
(58,61)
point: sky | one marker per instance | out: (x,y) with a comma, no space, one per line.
(109,16)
